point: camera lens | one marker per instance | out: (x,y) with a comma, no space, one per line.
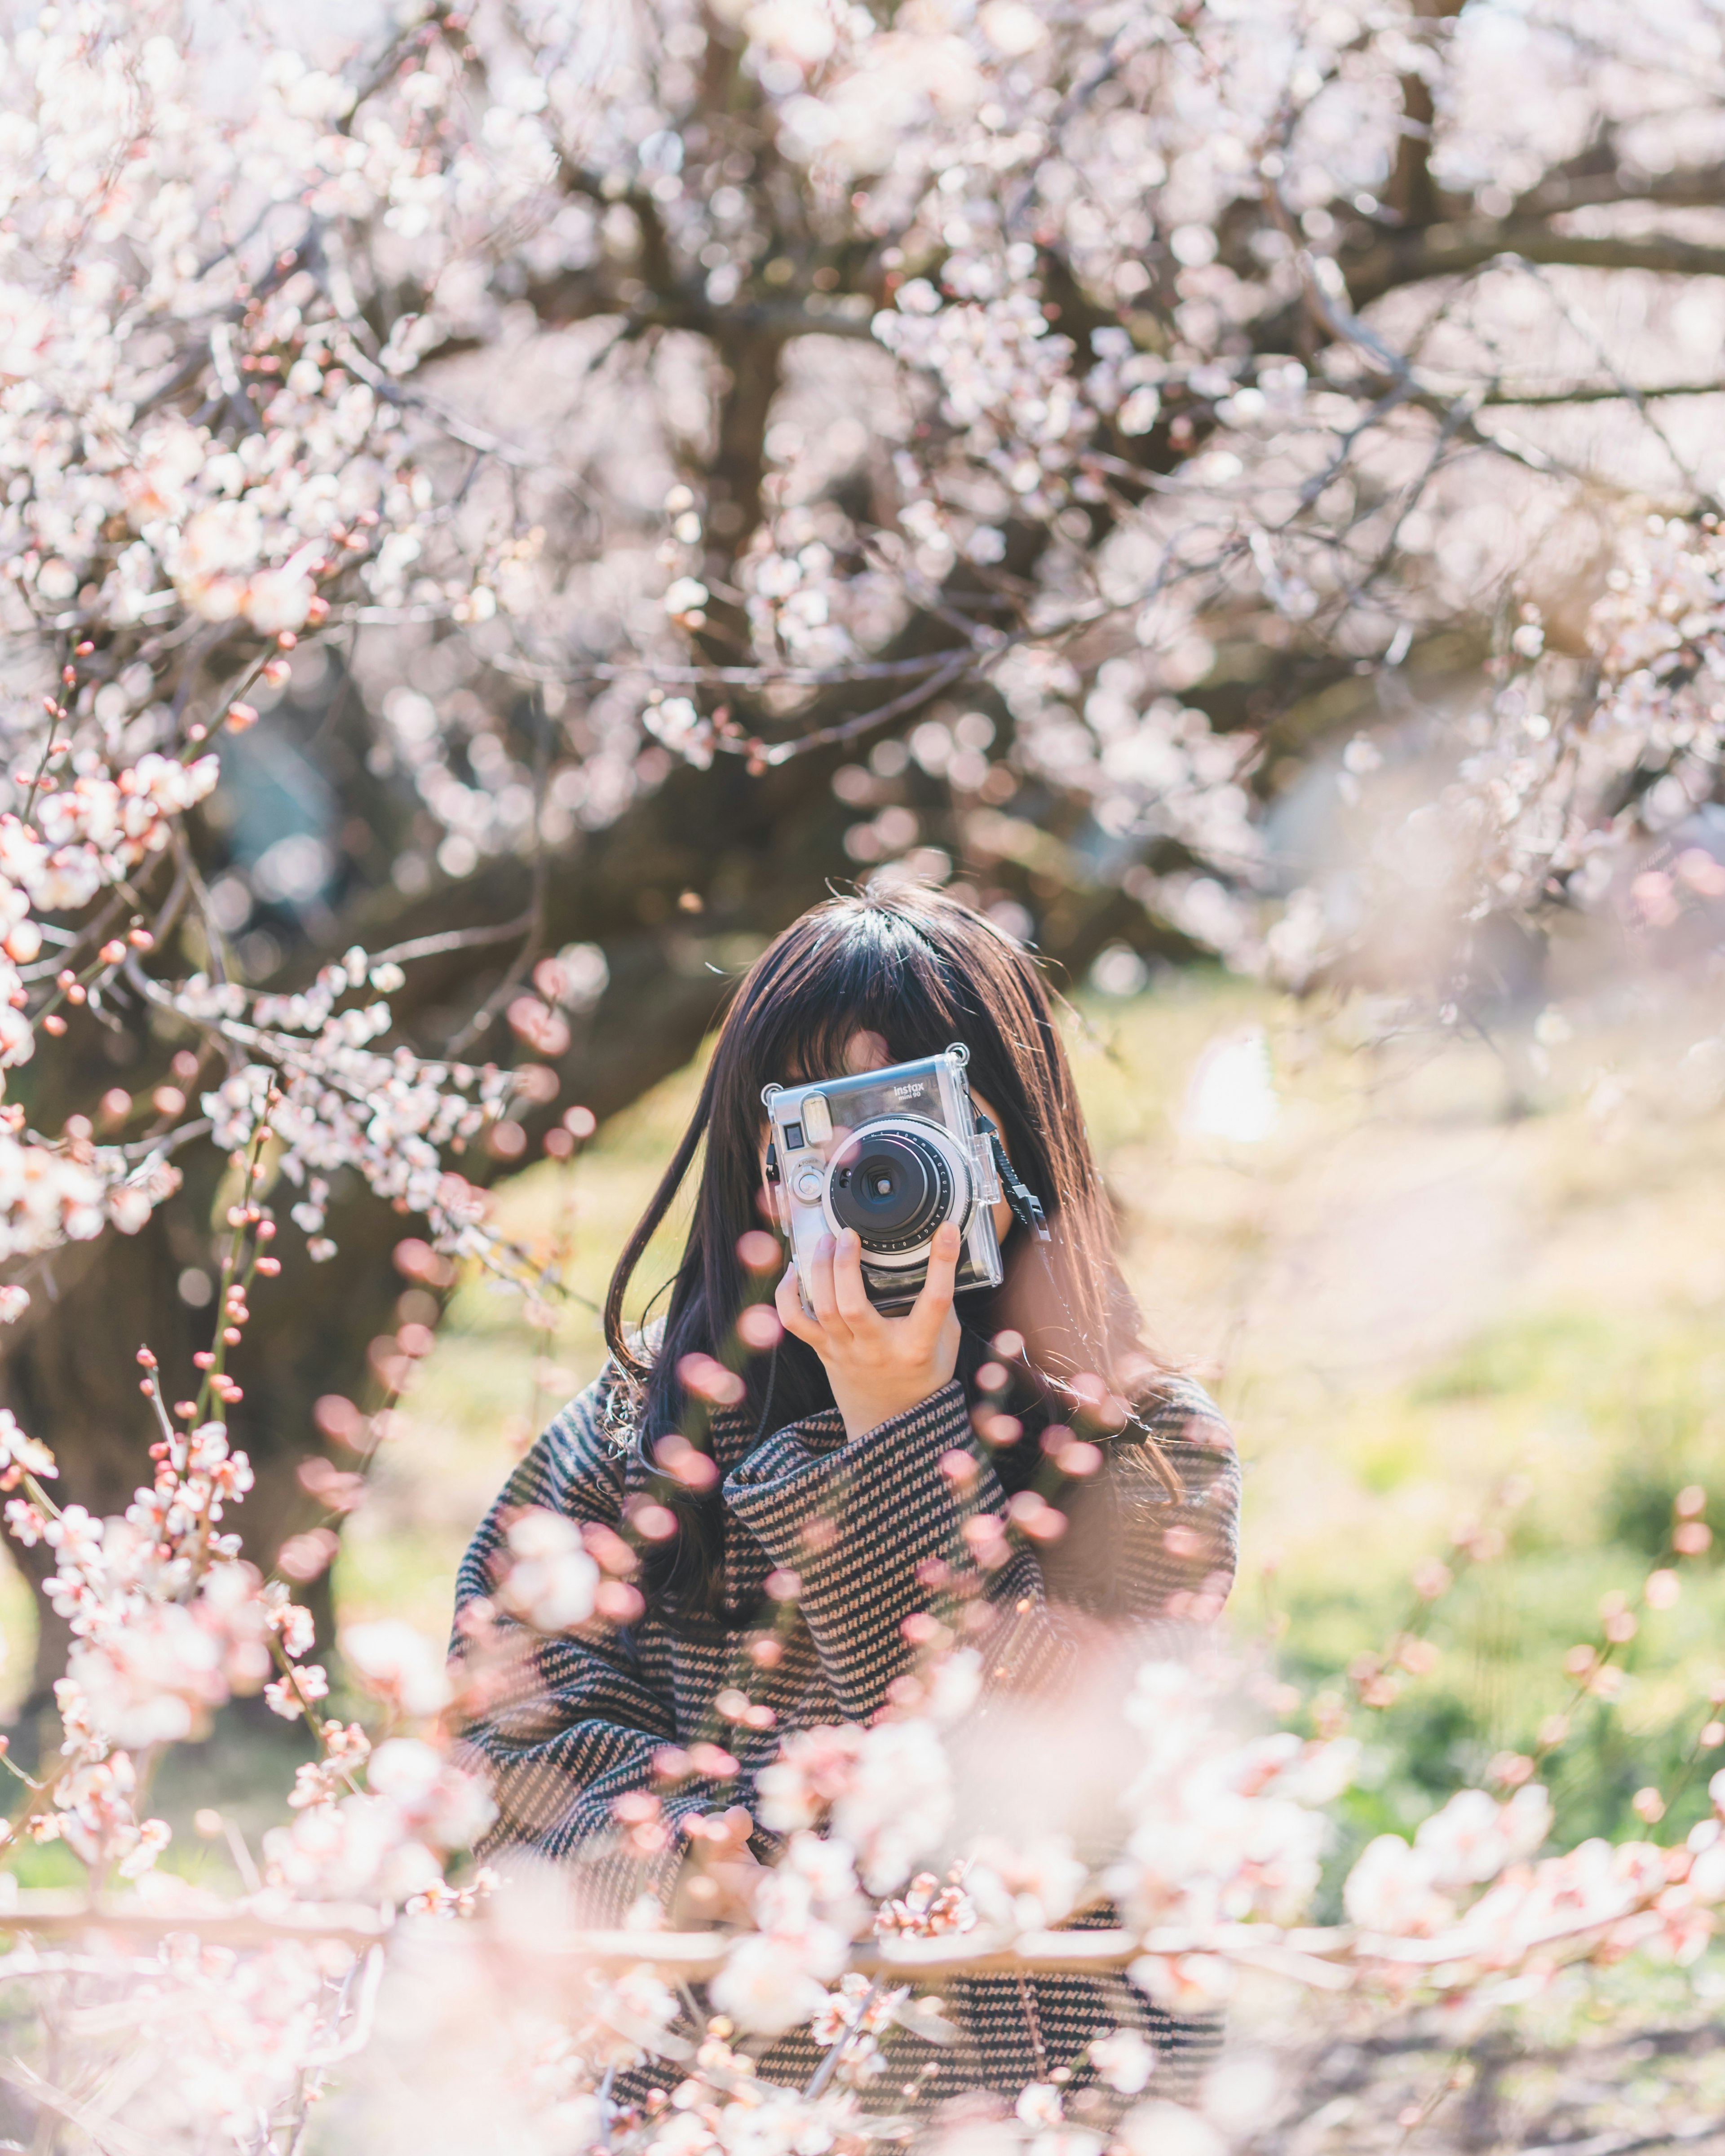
(895,1191)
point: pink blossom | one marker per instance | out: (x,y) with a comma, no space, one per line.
(1025,1887)
(1157,2128)
(814,1767)
(25,1455)
(1038,2104)
(397,1663)
(550,1581)
(1392,1888)
(1184,1983)
(896,1803)
(770,1982)
(1125,2059)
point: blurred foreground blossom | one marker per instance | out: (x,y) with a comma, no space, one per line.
(1222,1832)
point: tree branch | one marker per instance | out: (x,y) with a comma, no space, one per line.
(1601,185)
(582,296)
(1445,250)
(692,1956)
(1599,393)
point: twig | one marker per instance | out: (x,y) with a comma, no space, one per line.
(829,2065)
(114,2139)
(961,664)
(56,1912)
(453,939)
(733,677)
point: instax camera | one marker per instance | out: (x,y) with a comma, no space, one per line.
(892,1154)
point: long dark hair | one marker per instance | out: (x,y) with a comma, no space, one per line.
(912,964)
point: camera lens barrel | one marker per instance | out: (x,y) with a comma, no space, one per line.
(893,1187)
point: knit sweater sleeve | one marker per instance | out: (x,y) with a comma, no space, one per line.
(863,1522)
(1170,1554)
(1152,1565)
(563,1724)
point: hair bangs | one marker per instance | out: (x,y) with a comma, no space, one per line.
(873,974)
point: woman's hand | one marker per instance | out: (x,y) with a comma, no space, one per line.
(721,1873)
(878,1367)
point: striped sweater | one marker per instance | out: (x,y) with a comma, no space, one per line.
(865,1525)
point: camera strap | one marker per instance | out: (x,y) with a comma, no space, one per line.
(1026,1205)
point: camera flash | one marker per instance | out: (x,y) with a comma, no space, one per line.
(817,1119)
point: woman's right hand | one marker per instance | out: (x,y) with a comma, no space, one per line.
(878,1367)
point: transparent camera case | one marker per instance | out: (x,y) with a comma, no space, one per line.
(891,1154)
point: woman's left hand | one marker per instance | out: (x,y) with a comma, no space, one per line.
(878,1367)
(721,1873)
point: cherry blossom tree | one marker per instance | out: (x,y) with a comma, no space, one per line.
(496,516)
(499,512)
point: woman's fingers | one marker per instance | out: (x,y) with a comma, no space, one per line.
(789,1303)
(738,1824)
(822,1293)
(735,1880)
(930,1310)
(849,1292)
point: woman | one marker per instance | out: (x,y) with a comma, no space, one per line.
(832,1480)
